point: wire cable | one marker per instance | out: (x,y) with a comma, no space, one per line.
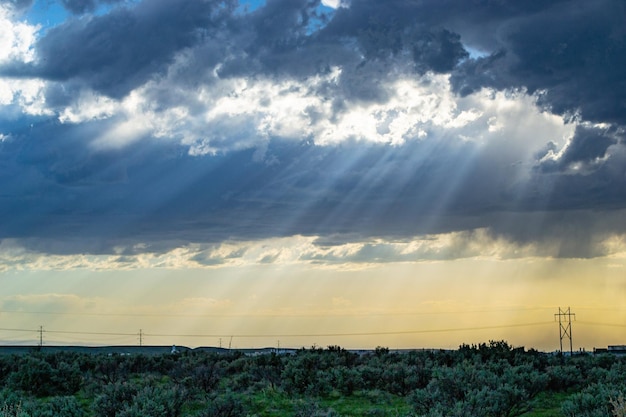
(243,336)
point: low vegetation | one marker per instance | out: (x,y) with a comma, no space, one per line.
(491,380)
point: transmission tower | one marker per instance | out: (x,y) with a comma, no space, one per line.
(565,327)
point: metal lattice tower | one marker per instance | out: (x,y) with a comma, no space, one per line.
(565,327)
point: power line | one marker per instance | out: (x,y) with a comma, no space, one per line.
(91,333)
(591,323)
(19,330)
(355,334)
(69,332)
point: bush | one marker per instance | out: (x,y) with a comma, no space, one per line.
(155,401)
(12,410)
(619,406)
(479,389)
(593,401)
(225,405)
(133,400)
(115,398)
(56,407)
(34,375)
(206,377)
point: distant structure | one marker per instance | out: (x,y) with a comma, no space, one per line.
(615,350)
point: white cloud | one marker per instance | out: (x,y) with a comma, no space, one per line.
(341,302)
(195,304)
(50,302)
(89,106)
(334,4)
(304,250)
(31,98)
(16,39)
(331,3)
(27,94)
(6,92)
(237,113)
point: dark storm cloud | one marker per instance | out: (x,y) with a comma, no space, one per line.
(574,53)
(284,43)
(390,29)
(85,6)
(126,47)
(79,6)
(19,5)
(571,53)
(587,148)
(63,200)
(121,50)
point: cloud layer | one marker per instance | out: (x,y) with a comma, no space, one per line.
(155,124)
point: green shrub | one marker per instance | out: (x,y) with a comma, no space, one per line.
(114,399)
(65,406)
(12,410)
(225,405)
(36,376)
(155,401)
(593,401)
(619,406)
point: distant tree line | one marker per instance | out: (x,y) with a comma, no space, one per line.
(490,379)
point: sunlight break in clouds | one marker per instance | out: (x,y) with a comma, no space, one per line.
(241,114)
(301,250)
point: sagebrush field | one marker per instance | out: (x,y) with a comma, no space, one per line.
(491,379)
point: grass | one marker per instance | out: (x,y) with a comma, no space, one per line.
(361,404)
(368,403)
(547,404)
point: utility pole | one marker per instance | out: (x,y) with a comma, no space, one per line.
(565,327)
(140,337)
(40,337)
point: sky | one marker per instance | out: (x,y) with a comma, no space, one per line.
(362,173)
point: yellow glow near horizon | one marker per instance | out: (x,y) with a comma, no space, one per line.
(402,305)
